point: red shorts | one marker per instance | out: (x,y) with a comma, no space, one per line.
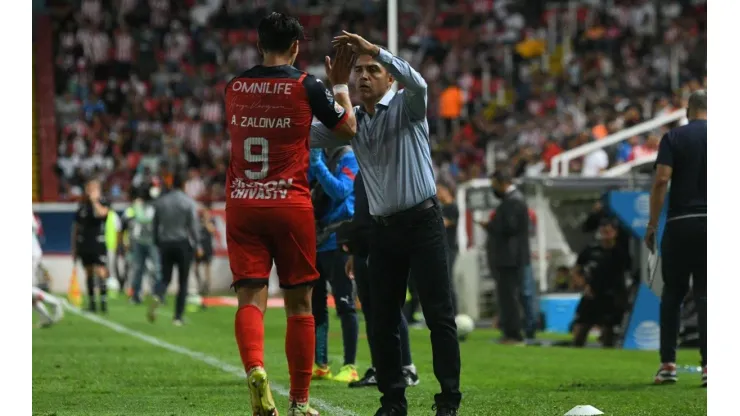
(255,236)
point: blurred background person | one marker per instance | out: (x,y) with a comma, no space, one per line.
(140,229)
(603,269)
(89,243)
(203,261)
(508,252)
(177,235)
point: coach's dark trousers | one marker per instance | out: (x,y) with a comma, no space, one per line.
(180,254)
(362,280)
(413,240)
(684,256)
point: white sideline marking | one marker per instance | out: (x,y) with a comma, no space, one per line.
(199,356)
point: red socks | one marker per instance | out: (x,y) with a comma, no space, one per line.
(300,342)
(249,329)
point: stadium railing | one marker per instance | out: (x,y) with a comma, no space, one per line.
(626,168)
(560,163)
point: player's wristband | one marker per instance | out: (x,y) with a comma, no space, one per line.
(340,88)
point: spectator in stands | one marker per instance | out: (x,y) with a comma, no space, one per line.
(170,60)
(595,163)
(650,147)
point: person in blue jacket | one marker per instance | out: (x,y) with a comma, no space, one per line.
(333,171)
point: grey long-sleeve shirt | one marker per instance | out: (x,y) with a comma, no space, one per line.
(176,219)
(392,147)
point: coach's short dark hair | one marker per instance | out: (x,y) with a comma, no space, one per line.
(698,101)
(503,175)
(277,32)
(179,179)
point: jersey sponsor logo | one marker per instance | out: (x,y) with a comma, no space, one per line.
(262,87)
(270,190)
(261,122)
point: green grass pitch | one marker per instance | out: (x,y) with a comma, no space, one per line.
(82,367)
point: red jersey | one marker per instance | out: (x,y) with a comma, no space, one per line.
(269,111)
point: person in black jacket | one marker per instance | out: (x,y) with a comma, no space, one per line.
(508,252)
(355,238)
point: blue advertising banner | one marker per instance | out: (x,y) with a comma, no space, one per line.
(633,210)
(643,328)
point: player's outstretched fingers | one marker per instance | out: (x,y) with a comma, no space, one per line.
(327,65)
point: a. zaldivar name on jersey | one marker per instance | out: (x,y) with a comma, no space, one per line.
(261,122)
(260,190)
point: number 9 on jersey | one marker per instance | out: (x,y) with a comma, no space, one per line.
(262,157)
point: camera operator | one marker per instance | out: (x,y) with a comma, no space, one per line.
(603,268)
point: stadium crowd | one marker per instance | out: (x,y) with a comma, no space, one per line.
(139,83)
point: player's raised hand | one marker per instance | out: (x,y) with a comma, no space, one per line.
(359,45)
(340,69)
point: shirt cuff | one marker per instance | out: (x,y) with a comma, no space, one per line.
(384,57)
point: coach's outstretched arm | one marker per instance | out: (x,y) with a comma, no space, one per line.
(334,110)
(415,87)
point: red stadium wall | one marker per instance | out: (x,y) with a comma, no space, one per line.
(44,94)
(36,174)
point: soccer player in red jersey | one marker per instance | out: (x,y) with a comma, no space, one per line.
(269,215)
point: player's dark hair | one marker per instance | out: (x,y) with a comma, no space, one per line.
(277,32)
(697,102)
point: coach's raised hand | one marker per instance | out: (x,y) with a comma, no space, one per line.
(340,69)
(359,45)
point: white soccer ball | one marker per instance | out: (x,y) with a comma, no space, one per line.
(112,284)
(196,300)
(465,325)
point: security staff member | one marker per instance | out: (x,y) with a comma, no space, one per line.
(603,267)
(355,238)
(88,242)
(334,171)
(682,161)
(175,233)
(408,235)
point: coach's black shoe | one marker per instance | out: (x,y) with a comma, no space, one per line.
(92,307)
(412,379)
(368,380)
(104,307)
(443,410)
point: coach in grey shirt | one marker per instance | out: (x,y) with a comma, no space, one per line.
(176,228)
(393,151)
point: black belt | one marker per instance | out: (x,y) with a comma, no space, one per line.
(405,214)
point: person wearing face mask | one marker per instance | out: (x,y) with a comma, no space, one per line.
(508,252)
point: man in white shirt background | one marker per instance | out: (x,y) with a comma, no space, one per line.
(594,163)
